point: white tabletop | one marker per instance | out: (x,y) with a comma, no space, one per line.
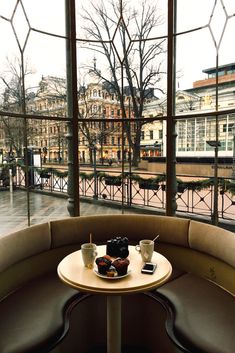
(72,271)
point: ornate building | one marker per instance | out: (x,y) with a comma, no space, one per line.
(96,100)
(49,136)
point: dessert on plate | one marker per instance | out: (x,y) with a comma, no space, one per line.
(114,263)
(103,264)
(111,272)
(121,266)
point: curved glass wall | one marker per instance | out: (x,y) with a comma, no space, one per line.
(118,104)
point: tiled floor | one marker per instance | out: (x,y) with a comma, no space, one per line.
(13,209)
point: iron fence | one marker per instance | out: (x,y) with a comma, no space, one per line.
(132,192)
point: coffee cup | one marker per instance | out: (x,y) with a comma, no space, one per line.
(145,248)
(89,254)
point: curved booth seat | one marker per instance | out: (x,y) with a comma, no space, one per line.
(32,319)
(41,314)
(202,317)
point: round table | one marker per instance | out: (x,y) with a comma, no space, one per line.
(71,270)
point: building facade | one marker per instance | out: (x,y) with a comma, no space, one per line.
(98,100)
(193,134)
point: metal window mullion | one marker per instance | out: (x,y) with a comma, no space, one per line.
(72,107)
(171,134)
(23,111)
(215,205)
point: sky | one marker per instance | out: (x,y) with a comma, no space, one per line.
(195,51)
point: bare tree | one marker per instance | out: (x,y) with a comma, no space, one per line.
(124,35)
(12,100)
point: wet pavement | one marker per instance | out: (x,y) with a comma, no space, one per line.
(43,208)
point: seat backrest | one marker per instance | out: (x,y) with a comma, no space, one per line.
(212,240)
(135,227)
(212,254)
(23,244)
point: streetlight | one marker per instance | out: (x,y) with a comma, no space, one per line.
(215,144)
(233,170)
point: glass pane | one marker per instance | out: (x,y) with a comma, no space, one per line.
(122,100)
(190,65)
(193,14)
(46,15)
(47,72)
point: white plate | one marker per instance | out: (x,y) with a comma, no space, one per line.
(115,277)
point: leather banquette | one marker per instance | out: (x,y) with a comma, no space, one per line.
(41,314)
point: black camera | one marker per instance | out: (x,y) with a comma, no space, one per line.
(118,247)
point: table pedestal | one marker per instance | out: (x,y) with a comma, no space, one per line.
(114,317)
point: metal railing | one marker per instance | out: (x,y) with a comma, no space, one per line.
(132,192)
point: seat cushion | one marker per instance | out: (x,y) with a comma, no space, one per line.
(204,314)
(32,319)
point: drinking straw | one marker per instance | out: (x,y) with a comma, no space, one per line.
(156,237)
(90,238)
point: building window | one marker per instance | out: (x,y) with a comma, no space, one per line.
(222,145)
(151,134)
(230,145)
(230,127)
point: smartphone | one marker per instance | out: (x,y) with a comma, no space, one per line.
(149,268)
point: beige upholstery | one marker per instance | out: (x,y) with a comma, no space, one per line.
(212,240)
(135,227)
(23,244)
(31,256)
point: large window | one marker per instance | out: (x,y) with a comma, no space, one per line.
(113,91)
